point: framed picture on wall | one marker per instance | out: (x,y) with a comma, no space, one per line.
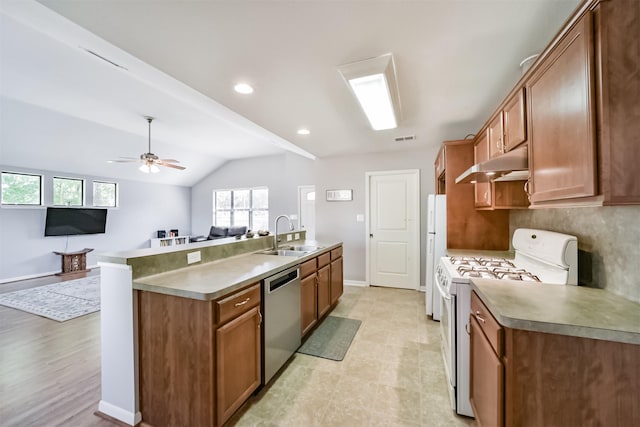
(339,195)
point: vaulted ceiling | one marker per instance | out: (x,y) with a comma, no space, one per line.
(65,109)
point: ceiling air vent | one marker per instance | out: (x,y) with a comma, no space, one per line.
(405,138)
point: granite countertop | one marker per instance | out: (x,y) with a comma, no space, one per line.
(565,310)
(215,279)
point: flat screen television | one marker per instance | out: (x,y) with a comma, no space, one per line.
(72,221)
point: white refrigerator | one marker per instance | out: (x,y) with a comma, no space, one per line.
(436,248)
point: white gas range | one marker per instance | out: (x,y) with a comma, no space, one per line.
(540,257)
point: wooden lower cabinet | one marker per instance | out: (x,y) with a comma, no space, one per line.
(324,290)
(237,362)
(320,289)
(486,388)
(551,379)
(308,303)
(198,360)
(337,281)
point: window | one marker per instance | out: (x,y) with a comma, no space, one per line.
(248,207)
(105,194)
(21,189)
(68,192)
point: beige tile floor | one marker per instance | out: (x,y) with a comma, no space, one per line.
(392,375)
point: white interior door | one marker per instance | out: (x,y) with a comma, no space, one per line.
(394,229)
(307,209)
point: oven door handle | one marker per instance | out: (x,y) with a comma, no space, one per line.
(444,294)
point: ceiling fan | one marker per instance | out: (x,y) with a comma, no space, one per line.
(150,161)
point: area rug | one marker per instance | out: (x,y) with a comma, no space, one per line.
(331,339)
(59,301)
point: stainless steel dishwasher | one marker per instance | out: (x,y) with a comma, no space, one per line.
(282,333)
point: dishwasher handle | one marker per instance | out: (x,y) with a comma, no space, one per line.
(281,279)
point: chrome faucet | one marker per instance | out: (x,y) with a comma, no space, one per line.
(275,239)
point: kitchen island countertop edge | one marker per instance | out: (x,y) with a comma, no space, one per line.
(565,310)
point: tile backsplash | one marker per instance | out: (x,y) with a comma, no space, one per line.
(608,242)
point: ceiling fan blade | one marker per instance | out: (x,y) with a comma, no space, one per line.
(170,165)
(170,161)
(131,160)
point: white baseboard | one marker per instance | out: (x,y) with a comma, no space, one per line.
(356,283)
(35,276)
(120,414)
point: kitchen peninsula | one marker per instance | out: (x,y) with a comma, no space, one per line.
(154,303)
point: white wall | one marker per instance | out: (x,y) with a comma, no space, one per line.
(334,220)
(143,209)
(281,174)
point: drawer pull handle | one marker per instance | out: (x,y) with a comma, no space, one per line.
(466,328)
(238,304)
(260,319)
(480,318)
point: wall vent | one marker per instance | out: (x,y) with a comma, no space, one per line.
(404,138)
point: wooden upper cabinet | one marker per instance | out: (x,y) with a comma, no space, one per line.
(481,154)
(562,153)
(514,121)
(508,129)
(495,136)
(617,31)
(440,165)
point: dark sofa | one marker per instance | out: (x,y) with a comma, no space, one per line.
(221,232)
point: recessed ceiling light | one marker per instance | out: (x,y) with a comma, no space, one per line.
(303,132)
(243,88)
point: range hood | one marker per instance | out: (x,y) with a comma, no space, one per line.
(510,166)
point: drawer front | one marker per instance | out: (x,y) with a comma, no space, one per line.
(308,267)
(488,324)
(336,253)
(237,303)
(324,259)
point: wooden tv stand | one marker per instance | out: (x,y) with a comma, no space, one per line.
(74,262)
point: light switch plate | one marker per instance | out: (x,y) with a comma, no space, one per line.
(289,237)
(297,236)
(293,217)
(193,257)
(359,218)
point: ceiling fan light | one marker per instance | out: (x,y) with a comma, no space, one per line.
(149,168)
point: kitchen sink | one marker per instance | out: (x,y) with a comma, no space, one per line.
(291,250)
(306,248)
(284,252)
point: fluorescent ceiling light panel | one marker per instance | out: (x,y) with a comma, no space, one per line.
(373,82)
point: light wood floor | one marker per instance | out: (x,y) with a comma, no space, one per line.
(49,371)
